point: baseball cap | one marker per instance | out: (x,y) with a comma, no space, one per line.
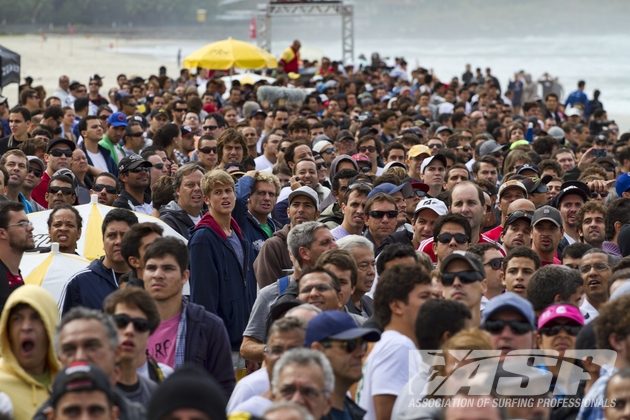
(4,100)
(117,119)
(186,130)
(512,183)
(572,187)
(337,325)
(154,113)
(344,135)
(235,169)
(321,145)
(386,188)
(434,204)
(256,112)
(429,160)
(554,312)
(506,301)
(488,147)
(547,213)
(556,132)
(60,140)
(34,160)
(471,259)
(394,163)
(367,130)
(572,112)
(419,149)
(131,162)
(537,185)
(442,129)
(518,215)
(528,167)
(305,191)
(79,377)
(622,184)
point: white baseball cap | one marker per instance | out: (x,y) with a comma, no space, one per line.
(434,204)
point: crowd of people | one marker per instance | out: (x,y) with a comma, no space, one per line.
(325,243)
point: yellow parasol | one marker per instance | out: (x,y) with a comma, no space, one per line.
(230,53)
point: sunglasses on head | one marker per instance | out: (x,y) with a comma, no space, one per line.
(61,152)
(445,238)
(466,277)
(348,345)
(139,324)
(108,188)
(495,263)
(62,190)
(208,150)
(379,214)
(497,326)
(572,330)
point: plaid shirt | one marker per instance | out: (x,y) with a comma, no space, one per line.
(180,346)
(182,159)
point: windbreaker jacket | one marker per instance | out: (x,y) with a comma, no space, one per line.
(26,393)
(218,282)
(89,287)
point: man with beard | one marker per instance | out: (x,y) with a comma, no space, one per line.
(16,236)
(546,234)
(591,223)
(134,175)
(572,196)
(517,229)
(116,125)
(596,269)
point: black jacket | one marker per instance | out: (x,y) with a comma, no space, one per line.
(5,289)
(177,218)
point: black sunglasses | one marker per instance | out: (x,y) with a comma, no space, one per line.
(210,127)
(208,150)
(61,152)
(419,193)
(445,238)
(108,188)
(572,330)
(495,263)
(497,326)
(348,345)
(139,324)
(63,190)
(378,214)
(36,172)
(466,277)
(139,169)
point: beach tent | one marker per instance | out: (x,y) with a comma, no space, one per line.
(10,66)
(229,54)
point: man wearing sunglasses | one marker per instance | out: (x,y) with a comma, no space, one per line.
(107,187)
(60,191)
(134,175)
(492,259)
(36,168)
(136,317)
(58,155)
(381,218)
(335,334)
(450,233)
(464,279)
(510,320)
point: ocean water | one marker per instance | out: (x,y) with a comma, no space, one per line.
(603,61)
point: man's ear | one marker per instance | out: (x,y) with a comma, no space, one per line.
(133,262)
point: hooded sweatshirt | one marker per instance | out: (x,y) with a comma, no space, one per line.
(27,393)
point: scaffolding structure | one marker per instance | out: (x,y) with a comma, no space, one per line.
(308,8)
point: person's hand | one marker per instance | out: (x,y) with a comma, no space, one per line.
(295,182)
(600,186)
(587,158)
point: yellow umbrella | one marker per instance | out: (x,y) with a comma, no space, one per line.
(230,53)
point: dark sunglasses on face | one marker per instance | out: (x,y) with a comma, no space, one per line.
(379,214)
(210,127)
(180,109)
(364,149)
(103,117)
(495,263)
(466,277)
(36,172)
(320,166)
(419,193)
(572,330)
(348,345)
(108,188)
(139,324)
(435,146)
(62,190)
(328,151)
(497,326)
(139,170)
(445,238)
(61,152)
(208,150)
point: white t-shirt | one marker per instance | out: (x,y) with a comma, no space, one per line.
(411,393)
(254,384)
(98,161)
(387,369)
(256,406)
(262,163)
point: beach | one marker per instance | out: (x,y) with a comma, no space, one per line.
(79,56)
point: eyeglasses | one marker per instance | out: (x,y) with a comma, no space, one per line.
(36,172)
(497,326)
(572,330)
(348,345)
(495,263)
(364,149)
(321,288)
(435,145)
(62,190)
(288,391)
(596,194)
(139,169)
(108,188)
(464,148)
(466,277)
(276,351)
(379,214)
(320,166)
(210,127)
(328,151)
(419,193)
(597,266)
(139,324)
(61,152)
(23,224)
(445,238)
(208,150)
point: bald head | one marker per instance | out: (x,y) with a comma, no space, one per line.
(522,204)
